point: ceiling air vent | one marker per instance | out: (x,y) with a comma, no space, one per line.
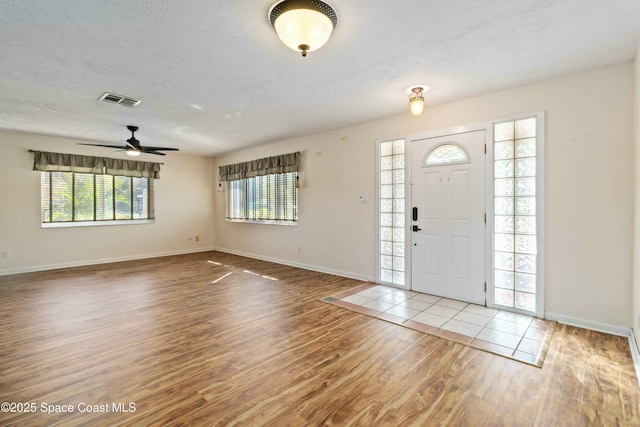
(119,99)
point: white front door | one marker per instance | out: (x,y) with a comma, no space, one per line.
(448,216)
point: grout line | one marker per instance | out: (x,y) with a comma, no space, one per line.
(483,327)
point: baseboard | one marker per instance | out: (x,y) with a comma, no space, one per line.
(311,267)
(635,354)
(5,272)
(589,324)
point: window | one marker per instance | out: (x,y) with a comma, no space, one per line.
(81,197)
(263,190)
(391,170)
(269,198)
(516,189)
(77,190)
(446,154)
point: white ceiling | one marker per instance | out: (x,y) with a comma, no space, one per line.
(213,76)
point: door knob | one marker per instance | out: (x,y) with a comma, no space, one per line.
(416,228)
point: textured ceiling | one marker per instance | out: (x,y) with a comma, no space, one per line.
(213,76)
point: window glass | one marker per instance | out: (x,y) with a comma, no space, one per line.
(446,153)
(269,199)
(68,197)
(391,210)
(515,240)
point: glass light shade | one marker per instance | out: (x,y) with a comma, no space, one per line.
(133,153)
(417,105)
(303,27)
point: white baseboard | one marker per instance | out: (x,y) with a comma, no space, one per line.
(317,268)
(7,271)
(589,324)
(635,354)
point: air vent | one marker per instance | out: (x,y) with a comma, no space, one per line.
(119,99)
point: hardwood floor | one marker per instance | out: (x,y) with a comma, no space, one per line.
(245,342)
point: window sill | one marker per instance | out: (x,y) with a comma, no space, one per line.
(96,223)
(267,222)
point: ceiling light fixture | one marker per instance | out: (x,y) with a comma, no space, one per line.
(416,100)
(303,25)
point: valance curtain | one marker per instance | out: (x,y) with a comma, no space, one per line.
(60,162)
(266,166)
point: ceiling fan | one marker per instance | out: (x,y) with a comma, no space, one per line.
(133,147)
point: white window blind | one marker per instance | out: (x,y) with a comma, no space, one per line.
(263,190)
(81,197)
(266,198)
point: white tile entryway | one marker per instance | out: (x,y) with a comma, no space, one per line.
(491,329)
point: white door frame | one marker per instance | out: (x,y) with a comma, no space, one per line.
(488,128)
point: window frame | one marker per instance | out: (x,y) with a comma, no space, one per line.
(403,280)
(97,222)
(289,184)
(540,207)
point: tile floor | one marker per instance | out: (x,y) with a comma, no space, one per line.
(502,332)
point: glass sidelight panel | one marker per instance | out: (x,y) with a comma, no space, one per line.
(391,210)
(515,240)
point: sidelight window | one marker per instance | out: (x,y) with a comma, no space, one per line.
(391,211)
(516,192)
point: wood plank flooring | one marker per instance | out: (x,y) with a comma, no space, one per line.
(214,339)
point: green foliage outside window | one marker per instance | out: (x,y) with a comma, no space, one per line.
(75,197)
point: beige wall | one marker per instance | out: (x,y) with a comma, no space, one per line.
(589,190)
(184,208)
(588,213)
(636,223)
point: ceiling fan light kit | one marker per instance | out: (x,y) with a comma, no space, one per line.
(303,25)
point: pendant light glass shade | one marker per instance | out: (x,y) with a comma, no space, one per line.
(303,26)
(417,105)
(416,101)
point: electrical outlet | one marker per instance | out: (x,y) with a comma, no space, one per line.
(197,238)
(299,250)
(4,255)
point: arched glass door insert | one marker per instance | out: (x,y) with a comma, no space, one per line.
(446,154)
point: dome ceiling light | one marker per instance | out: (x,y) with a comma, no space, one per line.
(303,25)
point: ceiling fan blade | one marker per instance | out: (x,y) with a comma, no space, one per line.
(146,147)
(132,144)
(104,145)
(127,143)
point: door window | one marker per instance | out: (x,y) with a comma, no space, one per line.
(446,154)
